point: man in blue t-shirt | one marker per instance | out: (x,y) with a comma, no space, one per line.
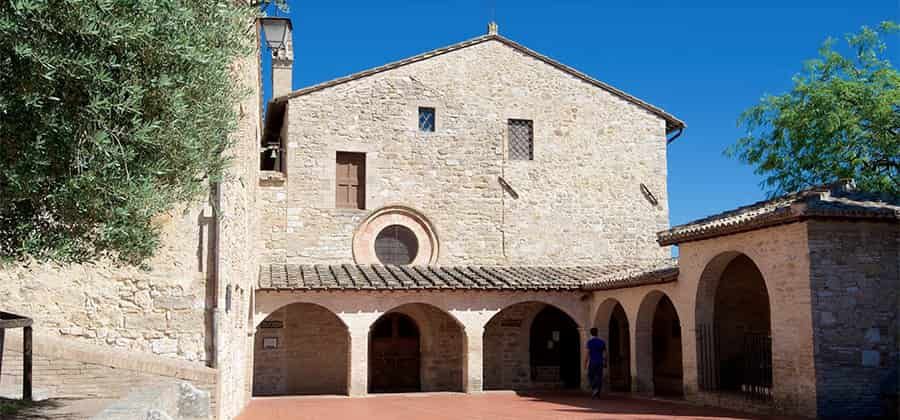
(596,349)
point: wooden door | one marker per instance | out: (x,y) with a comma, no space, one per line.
(394,355)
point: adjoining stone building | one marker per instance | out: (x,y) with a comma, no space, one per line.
(458,221)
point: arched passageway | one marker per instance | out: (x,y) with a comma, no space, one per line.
(531,345)
(613,327)
(619,352)
(415,347)
(554,349)
(734,333)
(658,347)
(668,377)
(301,349)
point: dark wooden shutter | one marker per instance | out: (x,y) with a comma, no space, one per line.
(351,180)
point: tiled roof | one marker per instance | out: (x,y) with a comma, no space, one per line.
(840,200)
(377,277)
(672,122)
(658,272)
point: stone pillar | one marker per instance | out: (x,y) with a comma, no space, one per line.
(473,381)
(358,381)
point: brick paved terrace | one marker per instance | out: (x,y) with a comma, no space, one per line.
(501,405)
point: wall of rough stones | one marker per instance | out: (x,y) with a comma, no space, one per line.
(579,199)
(158,311)
(237,266)
(66,369)
(311,355)
(856,289)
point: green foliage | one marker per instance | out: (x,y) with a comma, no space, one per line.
(111,113)
(840,120)
(10,408)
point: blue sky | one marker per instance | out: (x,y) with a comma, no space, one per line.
(703,61)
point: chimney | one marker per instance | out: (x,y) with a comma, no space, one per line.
(282,65)
(493,29)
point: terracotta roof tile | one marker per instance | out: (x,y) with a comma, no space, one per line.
(839,200)
(355,277)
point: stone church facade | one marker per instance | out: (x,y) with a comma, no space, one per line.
(457,221)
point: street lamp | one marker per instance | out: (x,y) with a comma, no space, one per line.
(275,30)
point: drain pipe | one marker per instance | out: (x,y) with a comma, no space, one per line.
(214,232)
(677,135)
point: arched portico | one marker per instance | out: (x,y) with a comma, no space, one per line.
(530,345)
(470,310)
(658,346)
(301,349)
(613,327)
(416,347)
(734,335)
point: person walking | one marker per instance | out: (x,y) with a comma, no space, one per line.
(594,357)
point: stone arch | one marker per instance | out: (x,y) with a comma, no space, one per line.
(508,341)
(658,346)
(441,349)
(614,328)
(733,324)
(428,244)
(301,349)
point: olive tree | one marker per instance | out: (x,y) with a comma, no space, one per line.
(111,113)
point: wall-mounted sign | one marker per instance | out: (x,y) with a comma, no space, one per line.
(270,343)
(271,324)
(511,323)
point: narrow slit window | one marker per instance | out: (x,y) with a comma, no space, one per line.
(521,140)
(426,120)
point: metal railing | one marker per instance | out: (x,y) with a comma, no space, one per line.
(749,373)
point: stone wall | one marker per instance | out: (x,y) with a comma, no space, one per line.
(166,399)
(856,290)
(158,311)
(579,200)
(63,368)
(311,354)
(237,266)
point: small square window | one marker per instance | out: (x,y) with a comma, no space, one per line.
(521,140)
(426,119)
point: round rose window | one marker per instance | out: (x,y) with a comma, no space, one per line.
(396,245)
